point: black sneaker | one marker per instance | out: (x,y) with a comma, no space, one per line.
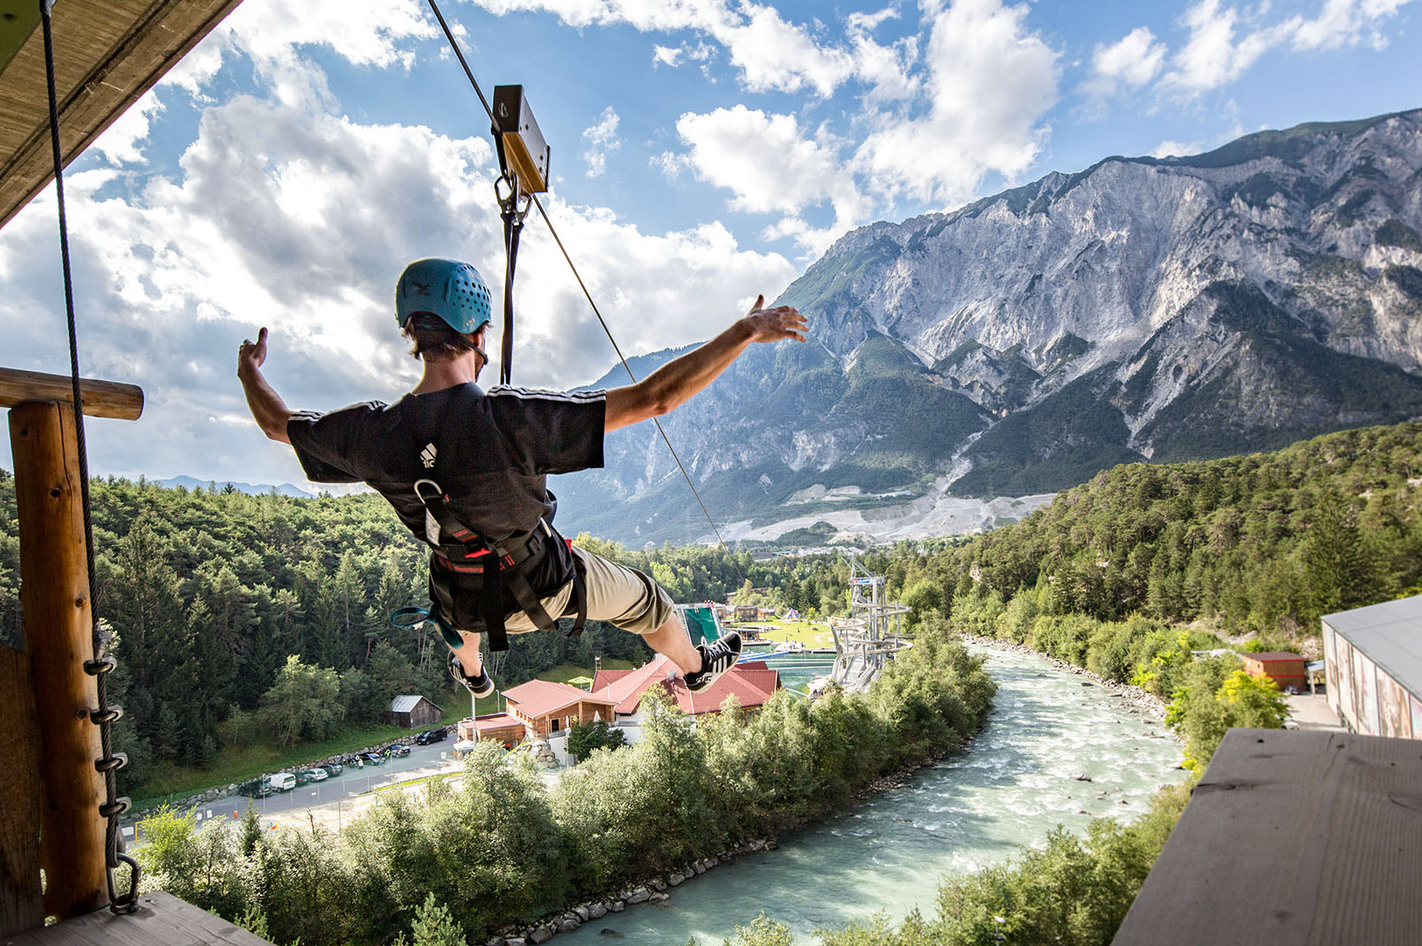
(481,686)
(716,658)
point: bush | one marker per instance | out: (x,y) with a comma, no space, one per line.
(1074,891)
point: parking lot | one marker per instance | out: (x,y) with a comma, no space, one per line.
(330,803)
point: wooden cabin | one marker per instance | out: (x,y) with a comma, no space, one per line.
(493,727)
(413,711)
(1285,669)
(545,708)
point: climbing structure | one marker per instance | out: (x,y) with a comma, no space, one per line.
(866,640)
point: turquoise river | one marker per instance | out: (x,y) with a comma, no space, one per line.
(1014,784)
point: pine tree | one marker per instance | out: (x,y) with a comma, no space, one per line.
(435,926)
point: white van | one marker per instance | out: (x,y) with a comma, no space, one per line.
(282,781)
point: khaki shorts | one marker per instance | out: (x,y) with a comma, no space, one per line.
(622,596)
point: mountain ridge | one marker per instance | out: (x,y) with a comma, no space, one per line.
(1141,309)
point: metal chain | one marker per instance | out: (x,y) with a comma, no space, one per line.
(101,665)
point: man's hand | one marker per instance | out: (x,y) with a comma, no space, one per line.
(673,383)
(267,407)
(777,324)
(252,355)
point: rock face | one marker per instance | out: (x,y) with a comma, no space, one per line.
(1160,309)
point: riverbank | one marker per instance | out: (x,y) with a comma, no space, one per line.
(1141,699)
(890,851)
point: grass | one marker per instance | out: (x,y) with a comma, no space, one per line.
(805,632)
(240,765)
(563,673)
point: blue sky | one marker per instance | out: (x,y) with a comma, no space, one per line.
(703,151)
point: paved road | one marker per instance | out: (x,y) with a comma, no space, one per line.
(341,794)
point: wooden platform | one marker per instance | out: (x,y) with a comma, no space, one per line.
(163,921)
(1292,838)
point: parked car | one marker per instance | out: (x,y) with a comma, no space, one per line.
(373,758)
(256,788)
(430,736)
(333,768)
(282,781)
(398,750)
(315,774)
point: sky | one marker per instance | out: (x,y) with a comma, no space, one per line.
(703,151)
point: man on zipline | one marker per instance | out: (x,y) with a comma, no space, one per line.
(466,471)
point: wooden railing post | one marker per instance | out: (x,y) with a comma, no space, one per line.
(21,905)
(54,594)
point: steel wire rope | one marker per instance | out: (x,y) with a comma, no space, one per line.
(101,664)
(454,44)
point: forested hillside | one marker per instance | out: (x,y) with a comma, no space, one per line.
(210,592)
(1266,542)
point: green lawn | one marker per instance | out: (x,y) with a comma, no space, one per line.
(811,635)
(240,765)
(566,672)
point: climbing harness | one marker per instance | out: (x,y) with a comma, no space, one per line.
(502,565)
(101,664)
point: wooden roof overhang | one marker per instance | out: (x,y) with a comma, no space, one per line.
(107,53)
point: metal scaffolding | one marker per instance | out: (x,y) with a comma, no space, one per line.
(866,640)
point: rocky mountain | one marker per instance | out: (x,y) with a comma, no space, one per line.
(1141,309)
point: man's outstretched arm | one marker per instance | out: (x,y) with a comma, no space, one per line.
(674,383)
(266,405)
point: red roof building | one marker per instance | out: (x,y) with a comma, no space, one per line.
(752,686)
(544,707)
(498,727)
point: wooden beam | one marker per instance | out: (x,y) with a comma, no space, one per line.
(162,920)
(21,902)
(54,595)
(107,54)
(1291,838)
(101,398)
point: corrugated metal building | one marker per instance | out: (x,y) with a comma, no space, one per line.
(413,712)
(1373,661)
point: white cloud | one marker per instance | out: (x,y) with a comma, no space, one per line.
(1343,23)
(975,103)
(1126,65)
(990,81)
(372,33)
(763,159)
(1213,56)
(601,138)
(122,142)
(771,166)
(771,53)
(1176,149)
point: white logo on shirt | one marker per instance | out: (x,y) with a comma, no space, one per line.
(427,455)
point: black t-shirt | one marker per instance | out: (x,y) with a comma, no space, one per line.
(491,453)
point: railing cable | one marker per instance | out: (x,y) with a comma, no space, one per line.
(101,664)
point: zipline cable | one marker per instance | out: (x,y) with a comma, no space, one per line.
(454,44)
(100,665)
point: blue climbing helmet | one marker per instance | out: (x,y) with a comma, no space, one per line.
(452,290)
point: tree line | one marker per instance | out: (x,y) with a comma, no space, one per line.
(209,594)
(499,847)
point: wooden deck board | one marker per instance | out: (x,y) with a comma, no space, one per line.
(164,920)
(1292,838)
